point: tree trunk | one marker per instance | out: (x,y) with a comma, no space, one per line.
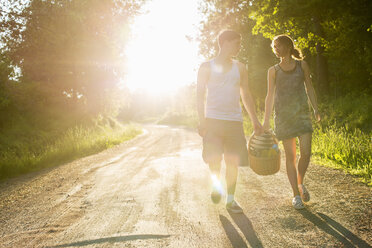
(321,61)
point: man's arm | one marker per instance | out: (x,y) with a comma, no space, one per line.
(203,75)
(247,98)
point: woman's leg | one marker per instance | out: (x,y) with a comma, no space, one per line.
(290,161)
(305,153)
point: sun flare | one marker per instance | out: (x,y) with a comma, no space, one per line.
(160,56)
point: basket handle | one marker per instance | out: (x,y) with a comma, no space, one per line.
(267,132)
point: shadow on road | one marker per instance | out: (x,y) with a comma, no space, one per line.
(112,240)
(335,229)
(245,226)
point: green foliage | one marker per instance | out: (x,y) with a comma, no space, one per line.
(351,112)
(72,52)
(5,71)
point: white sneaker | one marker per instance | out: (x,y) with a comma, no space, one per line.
(234,207)
(305,195)
(297,202)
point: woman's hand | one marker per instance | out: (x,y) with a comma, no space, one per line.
(317,116)
(266,127)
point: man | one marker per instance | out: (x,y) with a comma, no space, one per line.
(221,122)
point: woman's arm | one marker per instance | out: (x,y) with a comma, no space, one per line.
(269,100)
(310,90)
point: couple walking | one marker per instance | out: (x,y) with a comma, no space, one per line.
(225,81)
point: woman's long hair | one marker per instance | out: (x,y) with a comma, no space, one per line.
(287,41)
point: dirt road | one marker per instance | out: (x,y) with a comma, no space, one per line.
(153,191)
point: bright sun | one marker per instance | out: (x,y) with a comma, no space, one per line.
(160,57)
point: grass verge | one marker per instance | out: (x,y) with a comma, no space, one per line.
(341,148)
(75,142)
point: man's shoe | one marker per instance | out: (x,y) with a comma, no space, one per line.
(234,207)
(215,196)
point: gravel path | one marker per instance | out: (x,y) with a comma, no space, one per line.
(153,191)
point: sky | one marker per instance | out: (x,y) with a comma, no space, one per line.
(160,58)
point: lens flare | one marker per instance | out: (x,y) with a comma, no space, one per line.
(217,183)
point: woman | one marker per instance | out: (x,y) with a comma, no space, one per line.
(289,87)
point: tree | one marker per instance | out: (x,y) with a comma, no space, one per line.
(72,48)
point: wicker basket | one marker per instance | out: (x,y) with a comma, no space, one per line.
(263,165)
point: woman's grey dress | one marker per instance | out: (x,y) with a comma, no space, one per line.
(291,108)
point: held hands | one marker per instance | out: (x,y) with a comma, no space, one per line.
(266,127)
(258,129)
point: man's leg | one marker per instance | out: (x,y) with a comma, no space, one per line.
(215,168)
(232,160)
(232,163)
(212,155)
(234,143)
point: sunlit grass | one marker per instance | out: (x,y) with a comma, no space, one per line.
(76,142)
(340,147)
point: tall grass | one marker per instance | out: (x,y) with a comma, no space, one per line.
(75,142)
(350,149)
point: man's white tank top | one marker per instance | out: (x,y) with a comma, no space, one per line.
(223,93)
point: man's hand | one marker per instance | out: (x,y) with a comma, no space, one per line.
(202,128)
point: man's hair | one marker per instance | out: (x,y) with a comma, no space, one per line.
(227,35)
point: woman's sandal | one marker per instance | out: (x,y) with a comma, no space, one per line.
(305,195)
(297,203)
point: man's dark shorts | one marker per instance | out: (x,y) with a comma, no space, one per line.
(224,137)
